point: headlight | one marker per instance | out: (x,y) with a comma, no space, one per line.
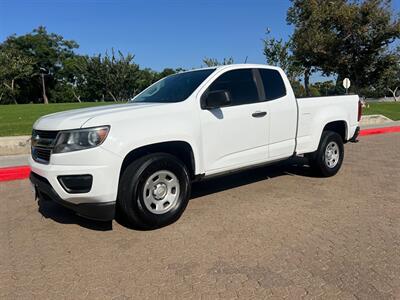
(79,139)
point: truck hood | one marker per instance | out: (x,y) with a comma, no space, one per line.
(76,118)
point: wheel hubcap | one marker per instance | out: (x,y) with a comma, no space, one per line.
(332,155)
(161,192)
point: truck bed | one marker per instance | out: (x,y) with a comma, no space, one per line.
(315,111)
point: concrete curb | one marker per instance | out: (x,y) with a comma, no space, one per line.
(374,120)
(12,145)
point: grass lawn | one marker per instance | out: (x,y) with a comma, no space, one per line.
(18,119)
(388,109)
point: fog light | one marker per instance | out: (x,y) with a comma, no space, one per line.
(75,184)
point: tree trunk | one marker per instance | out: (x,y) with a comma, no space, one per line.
(12,91)
(45,100)
(307,81)
(77,97)
(115,99)
(394,93)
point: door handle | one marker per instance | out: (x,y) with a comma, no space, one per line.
(259,114)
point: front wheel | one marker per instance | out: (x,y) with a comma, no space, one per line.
(328,159)
(154,190)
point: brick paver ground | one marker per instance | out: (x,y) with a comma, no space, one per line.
(266,233)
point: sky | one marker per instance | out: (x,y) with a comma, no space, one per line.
(160,33)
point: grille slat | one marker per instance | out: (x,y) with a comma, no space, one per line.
(42,145)
(46,134)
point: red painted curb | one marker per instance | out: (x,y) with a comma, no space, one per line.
(15,173)
(379,130)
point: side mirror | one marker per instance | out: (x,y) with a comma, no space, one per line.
(216,99)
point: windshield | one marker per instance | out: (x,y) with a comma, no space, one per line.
(174,88)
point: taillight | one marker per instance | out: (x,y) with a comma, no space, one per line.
(359,110)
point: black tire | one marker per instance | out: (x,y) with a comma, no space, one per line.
(317,159)
(132,185)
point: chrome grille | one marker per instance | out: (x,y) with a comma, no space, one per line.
(42,144)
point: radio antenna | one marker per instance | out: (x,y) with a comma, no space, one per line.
(245,61)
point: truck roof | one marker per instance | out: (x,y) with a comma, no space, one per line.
(235,66)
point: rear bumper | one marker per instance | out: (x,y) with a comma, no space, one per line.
(102,211)
(355,136)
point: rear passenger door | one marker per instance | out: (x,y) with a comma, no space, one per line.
(237,134)
(282,110)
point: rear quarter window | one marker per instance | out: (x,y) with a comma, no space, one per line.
(274,86)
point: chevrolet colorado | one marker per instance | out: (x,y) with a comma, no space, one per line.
(141,157)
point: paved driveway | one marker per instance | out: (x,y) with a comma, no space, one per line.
(270,232)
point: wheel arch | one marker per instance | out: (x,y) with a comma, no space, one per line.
(180,149)
(339,126)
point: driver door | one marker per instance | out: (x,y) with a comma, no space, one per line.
(236,134)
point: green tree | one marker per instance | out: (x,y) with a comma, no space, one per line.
(298,88)
(346,38)
(71,81)
(324,88)
(14,66)
(311,36)
(45,50)
(390,79)
(213,62)
(278,53)
(112,76)
(146,78)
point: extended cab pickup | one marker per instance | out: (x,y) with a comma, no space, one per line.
(141,157)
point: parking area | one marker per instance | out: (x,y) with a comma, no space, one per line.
(264,233)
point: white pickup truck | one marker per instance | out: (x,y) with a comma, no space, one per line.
(141,157)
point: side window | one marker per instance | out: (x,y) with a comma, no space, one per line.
(274,86)
(240,84)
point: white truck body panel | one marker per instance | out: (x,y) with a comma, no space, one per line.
(315,113)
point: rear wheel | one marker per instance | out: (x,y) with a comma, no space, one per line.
(328,159)
(154,190)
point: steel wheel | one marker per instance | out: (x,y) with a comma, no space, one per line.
(332,154)
(161,191)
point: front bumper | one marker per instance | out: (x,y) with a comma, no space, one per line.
(102,211)
(102,165)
